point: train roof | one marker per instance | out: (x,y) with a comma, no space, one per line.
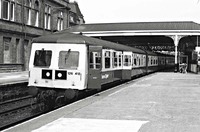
(151,53)
(60,37)
(164,54)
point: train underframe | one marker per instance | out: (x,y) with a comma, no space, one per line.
(52,97)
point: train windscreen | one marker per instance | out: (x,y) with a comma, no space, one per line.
(68,59)
(42,58)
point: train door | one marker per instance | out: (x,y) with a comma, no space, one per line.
(94,72)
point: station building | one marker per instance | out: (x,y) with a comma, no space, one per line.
(23,20)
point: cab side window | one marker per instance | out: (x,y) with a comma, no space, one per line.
(95,60)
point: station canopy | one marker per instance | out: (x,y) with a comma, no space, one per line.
(156,36)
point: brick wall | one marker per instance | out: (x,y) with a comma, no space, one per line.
(20,34)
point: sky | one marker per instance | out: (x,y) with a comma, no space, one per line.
(115,11)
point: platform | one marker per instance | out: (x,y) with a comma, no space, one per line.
(13,77)
(160,102)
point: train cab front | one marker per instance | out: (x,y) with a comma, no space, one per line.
(57,69)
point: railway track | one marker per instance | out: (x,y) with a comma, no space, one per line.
(21,109)
(15,111)
(13,91)
(18,110)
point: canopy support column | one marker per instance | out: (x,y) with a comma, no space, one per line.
(176,39)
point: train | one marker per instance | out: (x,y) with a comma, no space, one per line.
(62,64)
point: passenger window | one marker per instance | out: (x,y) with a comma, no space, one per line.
(120,60)
(135,61)
(68,59)
(127,60)
(42,58)
(139,61)
(149,60)
(95,60)
(115,59)
(107,59)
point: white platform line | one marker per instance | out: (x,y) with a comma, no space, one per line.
(91,125)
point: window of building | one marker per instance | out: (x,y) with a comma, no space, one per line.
(29,12)
(7,9)
(5,13)
(6,50)
(60,21)
(68,59)
(12,10)
(47,17)
(0,8)
(36,6)
(18,53)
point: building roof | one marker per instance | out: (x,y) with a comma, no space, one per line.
(179,25)
(75,8)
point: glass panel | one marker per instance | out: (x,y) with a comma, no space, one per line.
(47,17)
(49,22)
(5,9)
(68,59)
(6,52)
(120,60)
(127,60)
(42,57)
(95,60)
(12,11)
(98,60)
(139,61)
(115,59)
(107,59)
